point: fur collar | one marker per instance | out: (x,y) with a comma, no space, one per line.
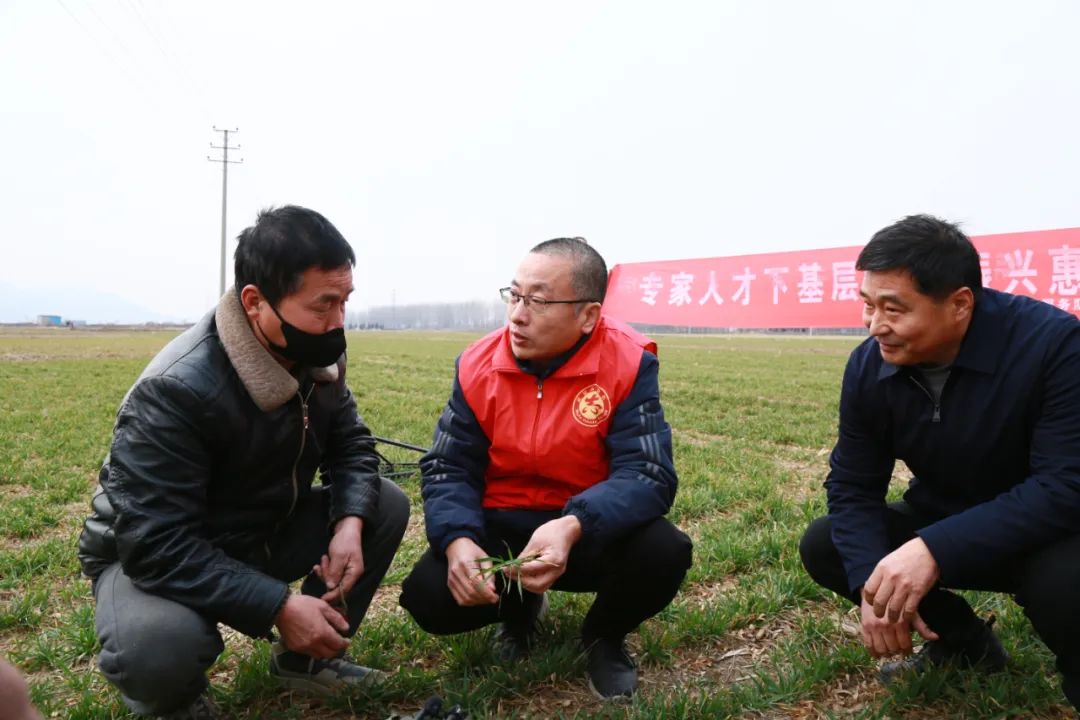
(269,384)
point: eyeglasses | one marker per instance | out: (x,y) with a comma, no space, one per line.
(536,304)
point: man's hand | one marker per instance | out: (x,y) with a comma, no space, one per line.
(900,581)
(310,626)
(343,563)
(550,543)
(882,637)
(465,574)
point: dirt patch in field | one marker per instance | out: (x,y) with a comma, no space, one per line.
(565,695)
(848,696)
(729,660)
(703,594)
(24,357)
(386,600)
(699,438)
(696,439)
(808,469)
(64,353)
(811,467)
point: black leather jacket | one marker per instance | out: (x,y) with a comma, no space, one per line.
(213,447)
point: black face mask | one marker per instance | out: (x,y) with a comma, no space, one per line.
(305,348)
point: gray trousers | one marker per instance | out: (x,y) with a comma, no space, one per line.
(157,651)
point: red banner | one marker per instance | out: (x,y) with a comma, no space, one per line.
(820,288)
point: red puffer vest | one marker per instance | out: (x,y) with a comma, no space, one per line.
(547,437)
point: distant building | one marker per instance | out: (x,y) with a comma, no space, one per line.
(50,320)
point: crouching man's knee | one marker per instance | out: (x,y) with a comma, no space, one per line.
(822,560)
(155,651)
(816,546)
(424,596)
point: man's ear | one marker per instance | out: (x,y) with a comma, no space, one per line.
(251,300)
(591,317)
(962,303)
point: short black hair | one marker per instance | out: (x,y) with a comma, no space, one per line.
(273,253)
(588,270)
(937,254)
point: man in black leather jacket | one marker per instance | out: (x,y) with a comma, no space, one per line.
(206,509)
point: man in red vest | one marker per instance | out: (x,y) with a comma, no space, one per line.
(553,447)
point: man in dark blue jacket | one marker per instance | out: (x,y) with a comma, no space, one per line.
(978,392)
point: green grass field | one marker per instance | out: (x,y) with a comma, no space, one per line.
(749,636)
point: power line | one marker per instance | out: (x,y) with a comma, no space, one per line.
(125,69)
(115,38)
(177,68)
(225,162)
(149,30)
(111,44)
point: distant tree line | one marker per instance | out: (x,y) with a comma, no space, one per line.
(479,315)
(681,329)
(474,315)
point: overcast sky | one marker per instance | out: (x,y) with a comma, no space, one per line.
(444,139)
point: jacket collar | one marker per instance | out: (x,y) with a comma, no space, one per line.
(267,382)
(983,343)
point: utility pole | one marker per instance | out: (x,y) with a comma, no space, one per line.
(225,162)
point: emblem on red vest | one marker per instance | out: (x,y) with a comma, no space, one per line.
(592,406)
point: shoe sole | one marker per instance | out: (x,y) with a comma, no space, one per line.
(887,678)
(609,698)
(304,684)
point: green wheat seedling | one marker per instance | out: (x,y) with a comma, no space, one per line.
(498,564)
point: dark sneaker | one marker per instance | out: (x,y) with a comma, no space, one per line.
(301,672)
(201,709)
(974,647)
(514,640)
(611,671)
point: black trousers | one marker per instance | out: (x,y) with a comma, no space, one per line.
(633,578)
(1046,583)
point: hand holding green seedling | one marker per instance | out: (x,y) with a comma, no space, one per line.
(468,574)
(509,566)
(546,554)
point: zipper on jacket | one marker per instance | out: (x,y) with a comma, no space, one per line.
(536,421)
(937,404)
(295,485)
(303,441)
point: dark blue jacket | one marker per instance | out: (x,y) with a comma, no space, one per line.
(998,462)
(640,487)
